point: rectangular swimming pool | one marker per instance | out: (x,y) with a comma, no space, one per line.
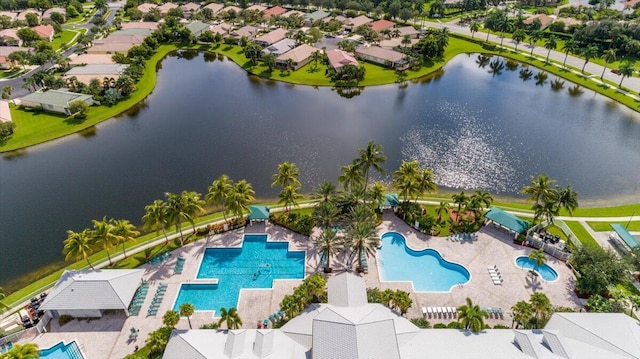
(62,351)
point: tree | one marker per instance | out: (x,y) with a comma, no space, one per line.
(534,37)
(219,192)
(328,244)
(521,313)
(3,306)
(156,217)
(79,109)
(370,157)
(538,257)
(124,232)
(405,178)
(626,70)
(253,52)
(425,182)
(567,198)
(598,269)
(28,36)
(351,176)
(442,210)
(471,317)
(240,198)
(406,41)
(550,44)
(78,246)
(570,46)
(186,310)
(518,36)
(540,188)
(158,339)
(363,242)
(269,61)
(326,191)
(608,56)
(288,174)
(541,306)
(22,351)
(103,235)
(588,53)
(460,199)
(325,214)
(230,317)
(289,196)
(474,27)
(170,319)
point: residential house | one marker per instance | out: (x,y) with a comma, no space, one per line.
(384,57)
(47,14)
(298,57)
(271,37)
(5,51)
(226,10)
(338,58)
(259,8)
(355,22)
(347,326)
(246,31)
(112,44)
(340,18)
(293,12)
(86,73)
(190,8)
(197,28)
(44,31)
(132,31)
(90,59)
(164,8)
(409,30)
(146,7)
(10,14)
(139,25)
(280,47)
(274,11)
(382,24)
(9,37)
(23,14)
(545,20)
(311,18)
(222,29)
(215,7)
(54,101)
(89,293)
(5,113)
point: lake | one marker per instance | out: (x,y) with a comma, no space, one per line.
(475,127)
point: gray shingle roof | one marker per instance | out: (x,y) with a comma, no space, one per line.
(59,98)
(94,290)
(97,69)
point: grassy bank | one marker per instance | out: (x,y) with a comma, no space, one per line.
(583,235)
(606,226)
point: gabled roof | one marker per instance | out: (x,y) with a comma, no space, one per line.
(507,220)
(128,39)
(381,25)
(164,8)
(10,14)
(197,26)
(347,291)
(5,113)
(23,14)
(248,31)
(380,53)
(273,36)
(59,98)
(545,20)
(298,54)
(97,69)
(146,7)
(91,59)
(48,12)
(359,21)
(293,12)
(280,47)
(133,31)
(44,31)
(229,8)
(317,15)
(338,58)
(190,7)
(94,289)
(408,30)
(259,212)
(11,33)
(215,7)
(7,50)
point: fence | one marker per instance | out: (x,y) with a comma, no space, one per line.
(548,248)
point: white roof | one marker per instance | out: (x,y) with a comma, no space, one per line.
(347,291)
(97,69)
(94,289)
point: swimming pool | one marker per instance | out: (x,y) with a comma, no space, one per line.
(62,351)
(255,265)
(428,271)
(546,271)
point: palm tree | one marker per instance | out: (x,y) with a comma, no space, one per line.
(567,198)
(370,157)
(124,232)
(484,197)
(570,46)
(328,244)
(351,176)
(505,24)
(230,317)
(377,194)
(608,56)
(289,196)
(538,257)
(405,178)
(193,206)
(540,304)
(103,235)
(156,217)
(460,199)
(186,310)
(550,44)
(78,246)
(406,40)
(539,189)
(471,317)
(175,212)
(288,173)
(518,36)
(626,70)
(157,341)
(219,191)
(326,191)
(22,351)
(546,210)
(325,214)
(534,37)
(3,306)
(588,53)
(442,209)
(425,182)
(522,313)
(364,241)
(241,197)
(170,319)
(474,27)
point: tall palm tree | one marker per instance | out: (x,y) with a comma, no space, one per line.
(568,199)
(175,212)
(370,157)
(471,317)
(460,199)
(588,53)
(289,196)
(626,69)
(538,257)
(124,232)
(405,178)
(230,317)
(186,310)
(534,37)
(539,189)
(157,341)
(22,351)
(193,206)
(78,246)
(351,176)
(546,210)
(364,241)
(241,197)
(474,27)
(442,210)
(104,236)
(550,44)
(376,194)
(156,217)
(541,305)
(570,46)
(325,214)
(219,191)
(326,191)
(521,313)
(484,197)
(518,36)
(608,56)
(288,174)
(425,182)
(170,319)
(327,243)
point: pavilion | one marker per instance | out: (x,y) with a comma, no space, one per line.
(506,220)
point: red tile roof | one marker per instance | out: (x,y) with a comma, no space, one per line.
(381,25)
(276,10)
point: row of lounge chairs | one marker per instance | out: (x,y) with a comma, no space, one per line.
(440,312)
(278,315)
(496,277)
(5,348)
(495,313)
(463,237)
(159,258)
(157,300)
(179,265)
(138,298)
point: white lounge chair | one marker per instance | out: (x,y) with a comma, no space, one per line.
(430,311)
(424,310)
(498,281)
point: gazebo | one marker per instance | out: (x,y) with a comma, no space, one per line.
(623,236)
(258,214)
(506,220)
(390,201)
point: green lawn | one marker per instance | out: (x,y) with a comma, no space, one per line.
(606,226)
(582,234)
(65,37)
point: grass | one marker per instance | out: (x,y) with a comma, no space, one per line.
(606,226)
(65,37)
(583,236)
(555,230)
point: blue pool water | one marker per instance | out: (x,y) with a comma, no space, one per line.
(546,271)
(62,351)
(428,271)
(255,265)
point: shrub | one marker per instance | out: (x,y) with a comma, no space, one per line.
(500,326)
(454,325)
(421,323)
(64,319)
(291,220)
(439,326)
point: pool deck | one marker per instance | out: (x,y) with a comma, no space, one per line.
(492,247)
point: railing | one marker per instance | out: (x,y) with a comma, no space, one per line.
(548,248)
(26,333)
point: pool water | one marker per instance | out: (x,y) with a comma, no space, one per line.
(255,265)
(546,271)
(428,271)
(62,351)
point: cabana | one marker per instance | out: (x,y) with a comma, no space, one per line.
(390,201)
(258,214)
(506,220)
(623,236)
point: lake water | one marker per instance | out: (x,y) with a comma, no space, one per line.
(206,117)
